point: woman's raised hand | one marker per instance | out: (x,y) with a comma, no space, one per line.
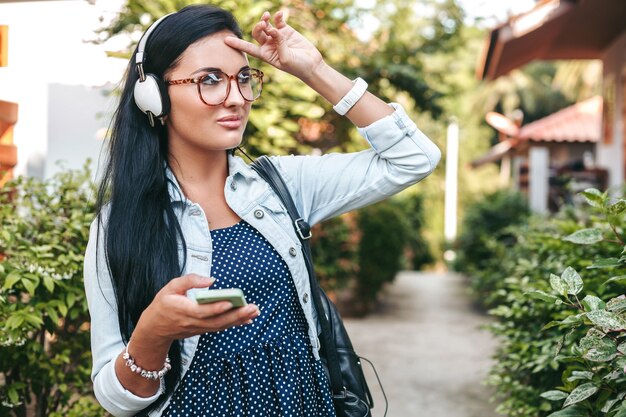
(280,45)
(172,315)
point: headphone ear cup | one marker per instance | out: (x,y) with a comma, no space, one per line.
(151,96)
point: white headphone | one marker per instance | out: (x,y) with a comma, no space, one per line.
(150,92)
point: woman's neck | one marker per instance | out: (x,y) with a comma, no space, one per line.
(202,171)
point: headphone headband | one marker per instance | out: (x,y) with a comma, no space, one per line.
(140,56)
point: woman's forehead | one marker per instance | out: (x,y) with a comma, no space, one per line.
(212,52)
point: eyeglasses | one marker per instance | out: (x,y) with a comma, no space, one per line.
(214,87)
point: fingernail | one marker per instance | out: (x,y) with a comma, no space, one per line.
(248,322)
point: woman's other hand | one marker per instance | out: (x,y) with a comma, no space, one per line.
(280,45)
(172,315)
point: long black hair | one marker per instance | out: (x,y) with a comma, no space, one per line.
(141,231)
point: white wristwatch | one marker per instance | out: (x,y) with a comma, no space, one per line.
(356,92)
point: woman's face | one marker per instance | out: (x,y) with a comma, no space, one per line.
(192,125)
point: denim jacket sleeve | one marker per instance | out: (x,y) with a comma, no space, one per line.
(332,184)
(106,341)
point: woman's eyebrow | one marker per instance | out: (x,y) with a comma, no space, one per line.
(209,69)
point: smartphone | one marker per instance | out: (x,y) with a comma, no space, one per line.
(207,296)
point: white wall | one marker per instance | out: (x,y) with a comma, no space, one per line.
(78,117)
(611,156)
(47,50)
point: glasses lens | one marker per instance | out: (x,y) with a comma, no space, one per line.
(250,82)
(214,87)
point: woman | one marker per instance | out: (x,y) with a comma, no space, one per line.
(178,211)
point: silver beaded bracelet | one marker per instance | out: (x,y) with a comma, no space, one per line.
(144,373)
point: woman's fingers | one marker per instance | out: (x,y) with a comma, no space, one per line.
(258,32)
(228,317)
(180,285)
(243,46)
(280,19)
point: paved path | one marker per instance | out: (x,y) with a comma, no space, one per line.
(428,349)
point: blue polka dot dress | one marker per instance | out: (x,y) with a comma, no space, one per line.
(264,369)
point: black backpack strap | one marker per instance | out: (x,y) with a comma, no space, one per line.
(266,169)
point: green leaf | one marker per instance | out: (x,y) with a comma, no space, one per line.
(617,304)
(606,320)
(11,279)
(71,299)
(573,280)
(606,263)
(585,236)
(578,375)
(573,320)
(551,325)
(580,393)
(613,375)
(616,278)
(13,395)
(598,349)
(52,313)
(592,302)
(618,207)
(541,295)
(63,309)
(558,284)
(608,405)
(30,285)
(35,321)
(594,197)
(573,411)
(621,412)
(554,395)
(622,347)
(15,322)
(48,282)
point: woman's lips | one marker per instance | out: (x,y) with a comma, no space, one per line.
(230,122)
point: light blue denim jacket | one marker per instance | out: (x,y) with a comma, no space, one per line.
(321,186)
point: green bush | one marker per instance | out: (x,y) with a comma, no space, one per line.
(592,347)
(334,248)
(485,235)
(384,231)
(45,360)
(418,253)
(533,358)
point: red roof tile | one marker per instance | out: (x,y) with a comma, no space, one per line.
(581,122)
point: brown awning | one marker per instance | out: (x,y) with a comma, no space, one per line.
(554,29)
(496,153)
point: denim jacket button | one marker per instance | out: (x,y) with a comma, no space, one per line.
(305,298)
(184,362)
(233,185)
(258,214)
(292,251)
